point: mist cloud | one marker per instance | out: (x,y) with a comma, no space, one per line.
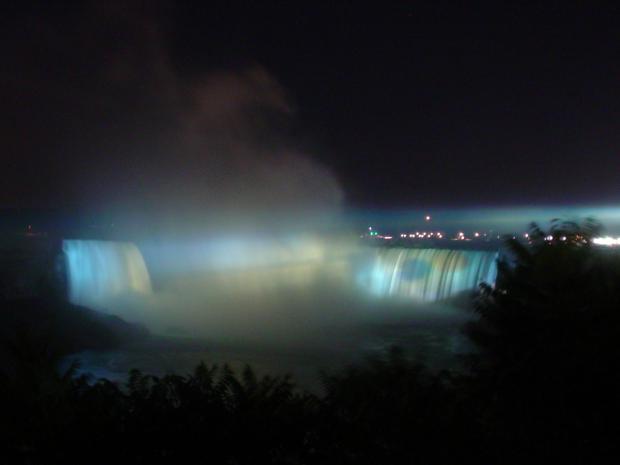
(110,124)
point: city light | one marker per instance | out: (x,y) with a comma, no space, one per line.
(607,241)
(476,236)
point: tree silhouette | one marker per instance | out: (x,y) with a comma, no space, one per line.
(548,336)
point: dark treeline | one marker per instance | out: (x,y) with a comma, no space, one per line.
(542,388)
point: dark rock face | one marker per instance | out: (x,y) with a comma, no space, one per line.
(52,328)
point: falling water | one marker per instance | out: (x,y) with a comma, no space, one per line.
(429,274)
(98,271)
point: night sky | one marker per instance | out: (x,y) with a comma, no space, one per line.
(391,105)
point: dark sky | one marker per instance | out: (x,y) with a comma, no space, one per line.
(398,104)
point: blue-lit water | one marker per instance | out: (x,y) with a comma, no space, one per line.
(428,275)
(293,307)
(98,271)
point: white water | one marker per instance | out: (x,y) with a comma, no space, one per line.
(301,307)
(429,275)
(99,271)
(288,298)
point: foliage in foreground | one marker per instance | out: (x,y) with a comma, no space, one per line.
(544,387)
(370,413)
(549,335)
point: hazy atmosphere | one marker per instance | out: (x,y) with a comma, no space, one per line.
(309,233)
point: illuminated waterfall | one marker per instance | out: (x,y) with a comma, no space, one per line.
(98,271)
(429,274)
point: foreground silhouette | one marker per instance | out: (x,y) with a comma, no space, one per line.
(549,334)
(543,387)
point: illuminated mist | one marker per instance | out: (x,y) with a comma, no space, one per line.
(295,293)
(205,210)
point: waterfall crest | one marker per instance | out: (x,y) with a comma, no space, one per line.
(100,270)
(429,274)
